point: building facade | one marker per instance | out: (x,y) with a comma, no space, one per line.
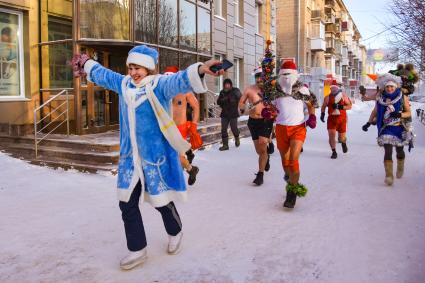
(41,37)
(321,36)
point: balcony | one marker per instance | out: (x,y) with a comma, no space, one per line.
(318,44)
(317,15)
(345,62)
(330,15)
(331,28)
(330,50)
(330,3)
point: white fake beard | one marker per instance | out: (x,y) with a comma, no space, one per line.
(287,81)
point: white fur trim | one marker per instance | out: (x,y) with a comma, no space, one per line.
(288,71)
(166,197)
(141,60)
(304,90)
(199,85)
(88,66)
(391,83)
(385,78)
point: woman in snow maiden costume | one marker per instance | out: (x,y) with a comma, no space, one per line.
(150,144)
(392,110)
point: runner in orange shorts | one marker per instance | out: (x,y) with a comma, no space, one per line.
(296,111)
(338,103)
(180,103)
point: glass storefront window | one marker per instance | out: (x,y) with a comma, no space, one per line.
(105,19)
(11,85)
(145,24)
(187,26)
(204,30)
(60,74)
(186,60)
(167,58)
(168,23)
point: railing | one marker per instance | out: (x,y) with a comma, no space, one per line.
(65,113)
(213,110)
(421,115)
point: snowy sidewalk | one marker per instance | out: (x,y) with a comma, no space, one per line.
(61,226)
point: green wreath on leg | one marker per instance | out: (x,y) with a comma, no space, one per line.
(299,189)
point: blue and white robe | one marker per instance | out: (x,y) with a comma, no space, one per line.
(156,161)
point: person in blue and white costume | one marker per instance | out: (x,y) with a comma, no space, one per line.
(392,112)
(150,144)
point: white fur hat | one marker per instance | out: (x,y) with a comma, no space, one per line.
(388,79)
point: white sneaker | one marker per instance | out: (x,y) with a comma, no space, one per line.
(174,243)
(134,259)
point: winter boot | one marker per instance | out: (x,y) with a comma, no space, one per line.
(290,200)
(389,177)
(237,141)
(400,168)
(133,259)
(174,243)
(225,145)
(259,179)
(190,156)
(344,147)
(267,168)
(192,175)
(334,154)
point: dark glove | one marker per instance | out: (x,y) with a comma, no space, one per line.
(242,110)
(77,63)
(366,126)
(311,122)
(395,114)
(410,146)
(338,106)
(322,117)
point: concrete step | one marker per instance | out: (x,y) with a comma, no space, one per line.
(27,151)
(63,143)
(82,167)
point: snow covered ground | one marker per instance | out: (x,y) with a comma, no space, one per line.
(59,226)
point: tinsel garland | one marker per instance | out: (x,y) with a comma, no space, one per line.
(299,189)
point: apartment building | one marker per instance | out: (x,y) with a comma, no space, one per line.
(240,29)
(321,36)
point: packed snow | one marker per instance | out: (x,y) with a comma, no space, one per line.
(65,226)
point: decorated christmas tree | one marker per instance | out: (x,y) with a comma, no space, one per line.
(268,85)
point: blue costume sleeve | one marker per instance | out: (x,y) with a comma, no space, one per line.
(182,82)
(102,76)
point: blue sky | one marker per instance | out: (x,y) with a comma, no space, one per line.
(368,16)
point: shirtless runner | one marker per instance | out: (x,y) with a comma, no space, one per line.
(259,128)
(180,102)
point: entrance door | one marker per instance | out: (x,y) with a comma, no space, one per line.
(99,106)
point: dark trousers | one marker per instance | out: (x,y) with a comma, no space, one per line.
(233,126)
(389,152)
(133,223)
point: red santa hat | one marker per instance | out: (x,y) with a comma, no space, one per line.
(171,70)
(288,67)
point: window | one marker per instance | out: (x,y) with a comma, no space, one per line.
(60,75)
(238,5)
(218,7)
(168,23)
(105,19)
(186,59)
(167,58)
(238,72)
(11,66)
(145,27)
(204,31)
(258,16)
(219,79)
(187,26)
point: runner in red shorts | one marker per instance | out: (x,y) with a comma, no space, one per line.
(338,103)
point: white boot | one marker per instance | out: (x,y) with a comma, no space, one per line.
(174,243)
(134,259)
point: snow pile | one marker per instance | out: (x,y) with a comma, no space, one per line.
(61,226)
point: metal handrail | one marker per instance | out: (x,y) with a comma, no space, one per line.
(36,110)
(212,107)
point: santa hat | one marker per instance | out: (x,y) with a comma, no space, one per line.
(143,56)
(171,70)
(288,67)
(388,79)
